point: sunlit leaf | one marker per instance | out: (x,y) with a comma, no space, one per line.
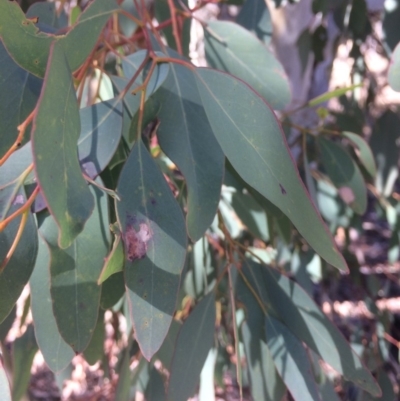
(154,237)
(194,341)
(54,143)
(291,361)
(252,140)
(233,49)
(5,393)
(330,95)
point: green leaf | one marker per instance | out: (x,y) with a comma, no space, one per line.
(24,350)
(94,351)
(30,48)
(291,361)
(394,70)
(16,274)
(186,138)
(56,352)
(127,25)
(384,143)
(26,45)
(332,94)
(364,152)
(265,383)
(286,300)
(86,31)
(101,129)
(22,91)
(55,136)
(235,50)
(112,290)
(252,140)
(124,376)
(155,241)
(194,341)
(114,262)
(155,390)
(166,352)
(5,393)
(255,17)
(74,274)
(47,14)
(345,174)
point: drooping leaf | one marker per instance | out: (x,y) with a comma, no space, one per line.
(166,352)
(16,273)
(291,361)
(252,140)
(47,15)
(124,376)
(287,301)
(86,31)
(384,143)
(186,138)
(255,16)
(127,25)
(207,385)
(101,129)
(154,237)
(56,352)
(345,174)
(364,152)
(54,142)
(235,50)
(155,390)
(74,274)
(22,91)
(330,95)
(6,324)
(265,383)
(194,341)
(24,350)
(5,392)
(30,47)
(95,350)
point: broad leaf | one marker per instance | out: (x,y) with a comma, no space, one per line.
(56,352)
(291,361)
(364,152)
(287,301)
(252,140)
(74,274)
(55,136)
(186,137)
(95,350)
(155,390)
(30,48)
(24,350)
(194,341)
(112,290)
(154,236)
(101,129)
(22,91)
(345,174)
(16,273)
(47,15)
(233,49)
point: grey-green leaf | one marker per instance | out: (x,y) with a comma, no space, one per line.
(291,361)
(252,140)
(186,137)
(56,352)
(234,49)
(194,341)
(5,392)
(153,231)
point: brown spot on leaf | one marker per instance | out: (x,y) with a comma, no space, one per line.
(136,242)
(283,190)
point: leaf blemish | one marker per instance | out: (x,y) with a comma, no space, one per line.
(283,190)
(136,242)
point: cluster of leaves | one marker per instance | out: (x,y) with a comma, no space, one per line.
(133,197)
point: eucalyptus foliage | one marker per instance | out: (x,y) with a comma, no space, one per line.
(135,182)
